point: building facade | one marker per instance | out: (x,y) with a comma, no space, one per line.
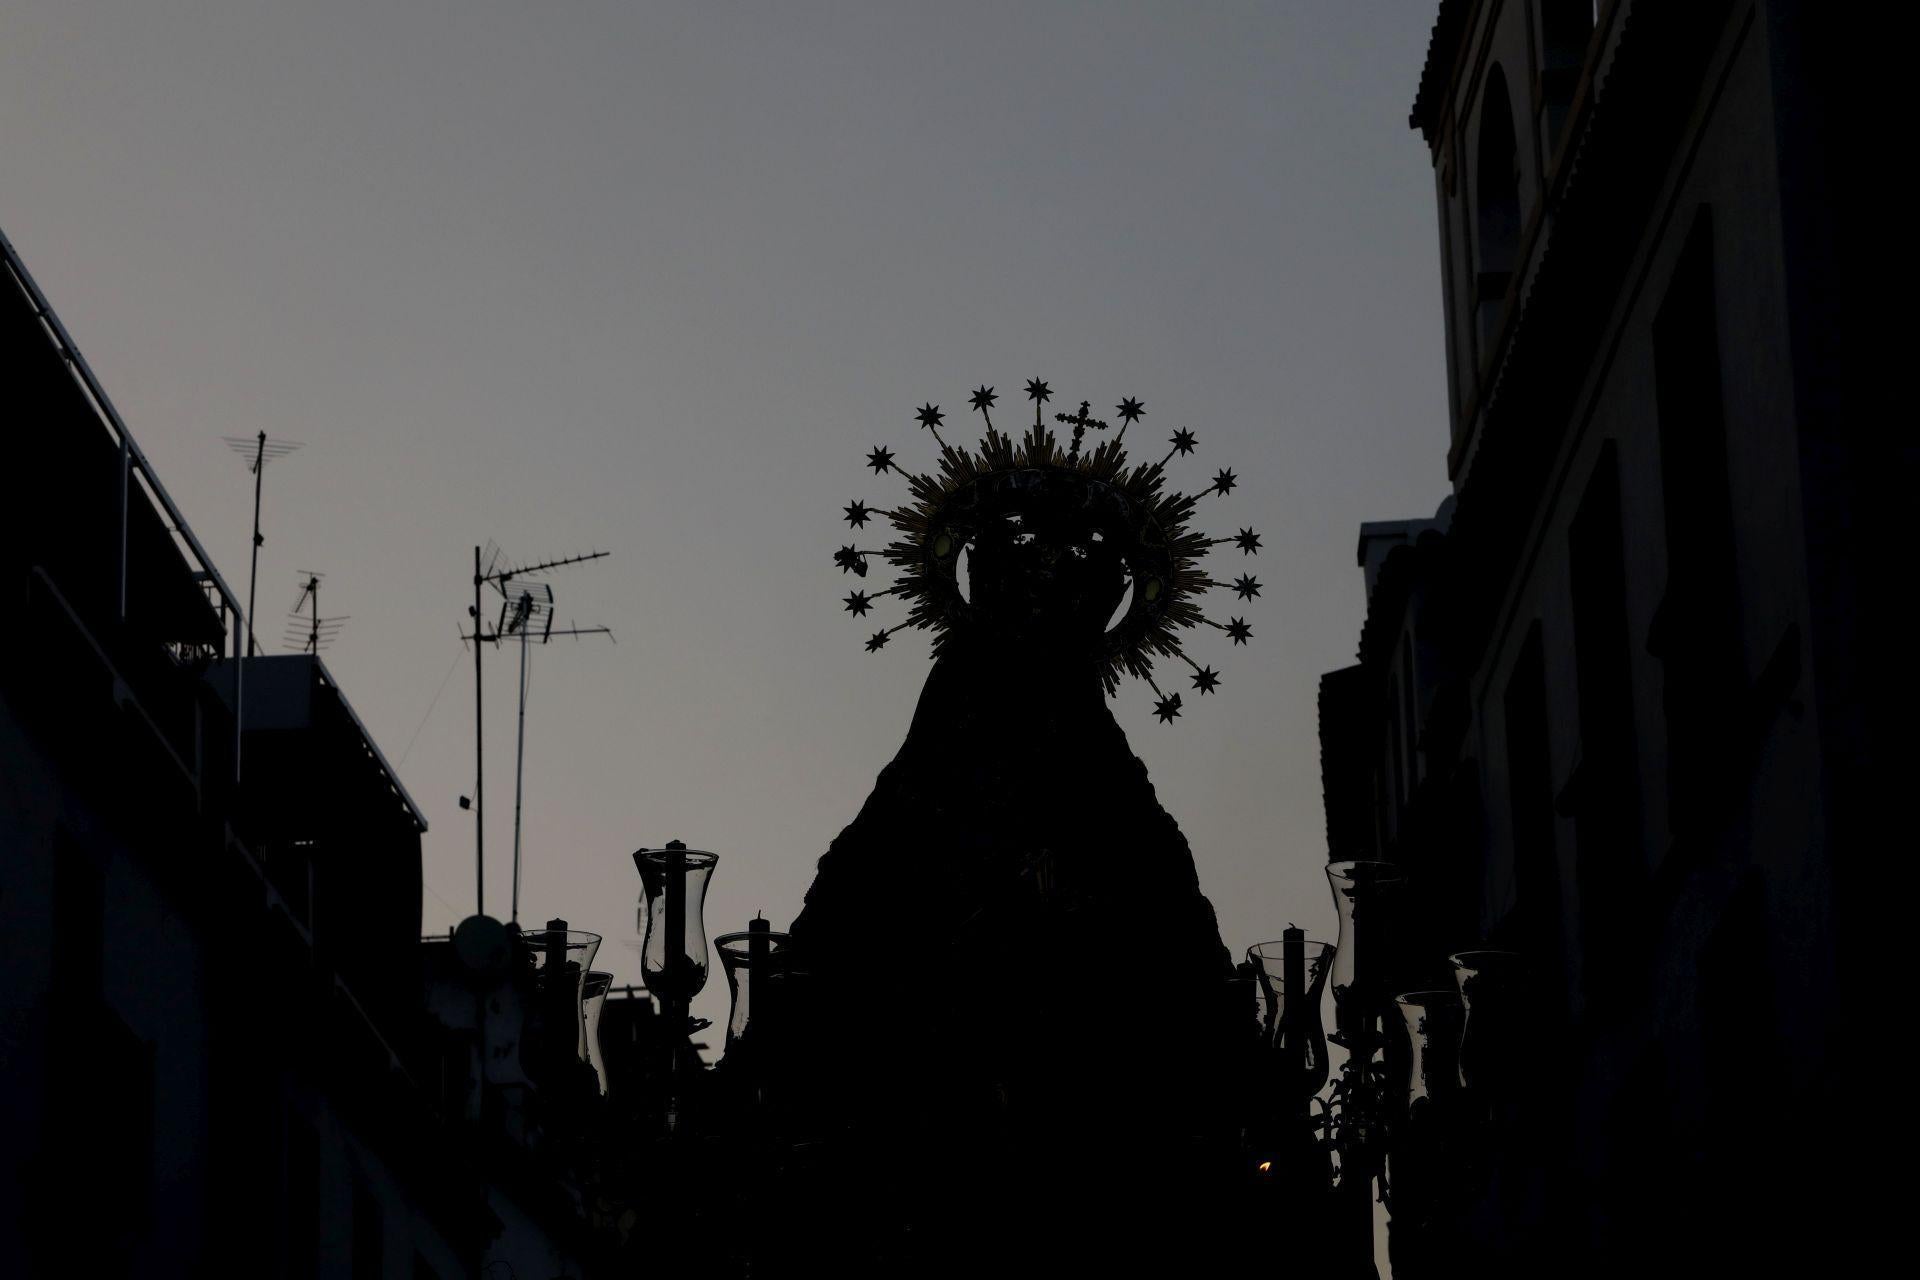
(214,1058)
(1611,707)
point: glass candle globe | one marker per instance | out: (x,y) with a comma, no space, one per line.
(749,959)
(1433,1021)
(1490,991)
(593,996)
(1363,894)
(673,953)
(1293,973)
(559,958)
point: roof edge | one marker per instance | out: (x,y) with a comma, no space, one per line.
(1443,51)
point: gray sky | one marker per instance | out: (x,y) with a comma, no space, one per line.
(653,278)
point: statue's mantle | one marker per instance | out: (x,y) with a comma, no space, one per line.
(1013,919)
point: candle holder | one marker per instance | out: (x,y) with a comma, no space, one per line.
(1433,1021)
(1363,896)
(1489,983)
(1293,976)
(559,958)
(673,953)
(1423,1071)
(593,996)
(673,950)
(1364,893)
(749,959)
(1425,1158)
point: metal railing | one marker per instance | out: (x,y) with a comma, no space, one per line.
(232,618)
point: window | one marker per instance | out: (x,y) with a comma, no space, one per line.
(1604,798)
(1696,631)
(79,919)
(1739,1018)
(98,1124)
(1566,29)
(1396,762)
(303,1199)
(1496,193)
(1536,861)
(1409,717)
(122,1104)
(369,1233)
(1743,1058)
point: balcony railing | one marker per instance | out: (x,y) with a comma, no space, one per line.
(137,486)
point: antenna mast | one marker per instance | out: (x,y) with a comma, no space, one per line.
(310,633)
(258,451)
(526,613)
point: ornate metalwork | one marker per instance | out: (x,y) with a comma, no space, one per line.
(1097,495)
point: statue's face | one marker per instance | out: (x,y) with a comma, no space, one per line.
(1045,579)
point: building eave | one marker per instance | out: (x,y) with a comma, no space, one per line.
(1443,52)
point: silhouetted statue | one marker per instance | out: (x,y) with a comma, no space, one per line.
(1013,917)
(1011,931)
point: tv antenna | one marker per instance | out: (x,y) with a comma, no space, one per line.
(308,632)
(526,614)
(258,451)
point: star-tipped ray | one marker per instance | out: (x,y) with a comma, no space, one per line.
(1038,392)
(878,640)
(1246,586)
(1249,541)
(1167,708)
(858,603)
(858,513)
(851,560)
(1183,442)
(930,417)
(881,460)
(1205,679)
(982,401)
(1237,628)
(1223,482)
(1130,411)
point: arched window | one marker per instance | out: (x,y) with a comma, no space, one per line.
(1566,29)
(1496,193)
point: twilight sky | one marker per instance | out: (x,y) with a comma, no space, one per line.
(653,278)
